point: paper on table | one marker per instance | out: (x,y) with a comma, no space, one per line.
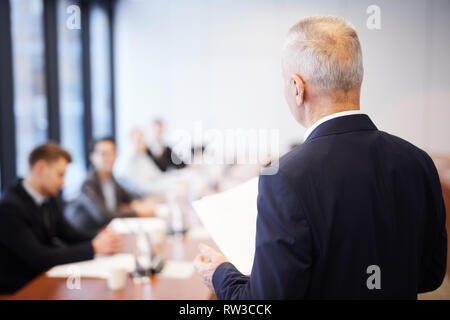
(98,267)
(230,218)
(176,270)
(134,225)
(198,233)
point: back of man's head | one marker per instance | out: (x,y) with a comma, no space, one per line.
(325,51)
(49,152)
(48,163)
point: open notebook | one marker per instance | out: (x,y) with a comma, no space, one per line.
(230,219)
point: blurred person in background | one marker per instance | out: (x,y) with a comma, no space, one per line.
(159,152)
(138,173)
(102,198)
(34,236)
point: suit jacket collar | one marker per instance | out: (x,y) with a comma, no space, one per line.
(350,123)
(17,194)
(37,197)
(93,181)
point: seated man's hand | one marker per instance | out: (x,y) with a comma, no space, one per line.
(107,242)
(143,208)
(206,263)
(124,207)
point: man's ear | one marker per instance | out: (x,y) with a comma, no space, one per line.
(39,165)
(299,84)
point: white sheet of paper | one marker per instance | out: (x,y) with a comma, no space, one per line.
(230,219)
(177,270)
(198,233)
(98,267)
(134,225)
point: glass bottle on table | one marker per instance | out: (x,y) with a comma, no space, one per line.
(176,219)
(143,255)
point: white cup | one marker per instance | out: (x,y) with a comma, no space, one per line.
(117,278)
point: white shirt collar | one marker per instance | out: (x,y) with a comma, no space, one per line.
(329,117)
(37,197)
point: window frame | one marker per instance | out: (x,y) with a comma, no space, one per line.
(7,127)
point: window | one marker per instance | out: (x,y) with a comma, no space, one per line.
(30,102)
(56,81)
(71,105)
(102,112)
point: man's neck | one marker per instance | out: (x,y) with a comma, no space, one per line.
(104,175)
(32,182)
(318,112)
(322,103)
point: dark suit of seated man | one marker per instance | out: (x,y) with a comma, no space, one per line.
(33,233)
(352,213)
(102,198)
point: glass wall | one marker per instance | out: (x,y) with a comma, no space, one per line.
(43,102)
(100,72)
(30,102)
(71,106)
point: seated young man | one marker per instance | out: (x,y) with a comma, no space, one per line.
(33,233)
(102,198)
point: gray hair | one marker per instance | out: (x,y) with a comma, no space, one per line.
(325,51)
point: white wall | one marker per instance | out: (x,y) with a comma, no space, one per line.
(219,62)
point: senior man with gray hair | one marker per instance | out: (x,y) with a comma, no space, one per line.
(353,212)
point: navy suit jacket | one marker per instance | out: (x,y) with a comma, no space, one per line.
(348,198)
